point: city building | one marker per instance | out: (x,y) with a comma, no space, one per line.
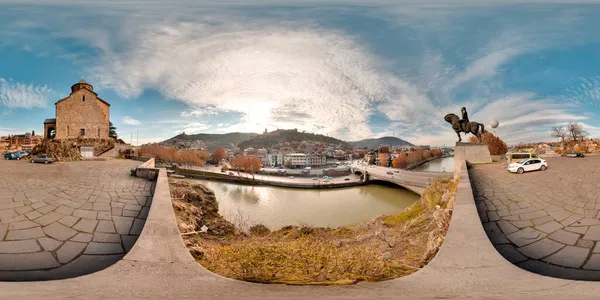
(295,159)
(21,142)
(315,160)
(81,114)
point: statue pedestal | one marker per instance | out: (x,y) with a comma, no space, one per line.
(472,153)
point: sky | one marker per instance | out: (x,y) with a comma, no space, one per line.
(347,69)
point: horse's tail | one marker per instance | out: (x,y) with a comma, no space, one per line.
(482,127)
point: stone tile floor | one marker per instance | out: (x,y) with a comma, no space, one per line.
(546,222)
(68,219)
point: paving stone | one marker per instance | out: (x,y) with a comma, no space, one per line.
(38,205)
(65,210)
(541,248)
(22,225)
(82,237)
(522,224)
(106,237)
(569,256)
(525,236)
(46,209)
(104,215)
(580,230)
(586,222)
(129,241)
(3,230)
(138,225)
(104,248)
(68,220)
(24,246)
(122,224)
(597,248)
(593,263)
(509,252)
(549,227)
(119,211)
(86,225)
(144,212)
(593,233)
(59,231)
(23,210)
(105,226)
(69,250)
(571,219)
(87,206)
(8,213)
(33,215)
(49,244)
(25,234)
(86,214)
(34,261)
(50,217)
(559,215)
(585,244)
(542,220)
(532,215)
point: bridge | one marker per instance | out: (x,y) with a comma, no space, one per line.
(411,180)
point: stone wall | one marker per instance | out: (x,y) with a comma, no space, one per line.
(74,114)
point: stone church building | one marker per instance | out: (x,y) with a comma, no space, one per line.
(81,114)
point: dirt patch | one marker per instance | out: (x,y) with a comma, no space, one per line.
(387,247)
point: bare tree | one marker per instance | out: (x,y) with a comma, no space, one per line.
(558,131)
(576,131)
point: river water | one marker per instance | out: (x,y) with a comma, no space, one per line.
(276,207)
(445,164)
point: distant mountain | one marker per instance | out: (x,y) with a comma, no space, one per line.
(209,140)
(281,136)
(374,143)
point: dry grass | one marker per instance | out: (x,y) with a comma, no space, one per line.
(386,247)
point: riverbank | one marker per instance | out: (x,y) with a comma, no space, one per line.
(387,247)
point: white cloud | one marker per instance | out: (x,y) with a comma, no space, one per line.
(16,94)
(191,128)
(131,121)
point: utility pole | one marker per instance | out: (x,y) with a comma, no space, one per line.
(137,142)
(131,140)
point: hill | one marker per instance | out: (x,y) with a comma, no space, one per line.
(209,140)
(374,143)
(281,136)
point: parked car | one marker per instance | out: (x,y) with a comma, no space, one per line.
(291,177)
(230,173)
(389,173)
(528,164)
(346,178)
(43,158)
(12,156)
(315,178)
(573,154)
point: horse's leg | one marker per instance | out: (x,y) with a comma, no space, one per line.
(459,138)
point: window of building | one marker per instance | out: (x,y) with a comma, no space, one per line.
(67,130)
(82,132)
(83,98)
(98,131)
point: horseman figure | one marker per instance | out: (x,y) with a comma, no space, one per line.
(464,125)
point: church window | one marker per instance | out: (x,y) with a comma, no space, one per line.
(82,132)
(83,98)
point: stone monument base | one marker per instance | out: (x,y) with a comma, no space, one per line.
(472,153)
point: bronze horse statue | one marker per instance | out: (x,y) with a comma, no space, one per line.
(464,125)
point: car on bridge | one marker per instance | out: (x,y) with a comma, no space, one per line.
(528,164)
(573,154)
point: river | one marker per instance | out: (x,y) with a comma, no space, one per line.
(445,164)
(276,207)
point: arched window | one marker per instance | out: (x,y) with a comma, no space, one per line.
(83,98)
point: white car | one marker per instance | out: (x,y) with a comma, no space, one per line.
(528,164)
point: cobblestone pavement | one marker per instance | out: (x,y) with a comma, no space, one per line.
(544,221)
(79,216)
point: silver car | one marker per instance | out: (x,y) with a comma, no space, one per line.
(44,158)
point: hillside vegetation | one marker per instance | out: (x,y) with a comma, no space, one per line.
(209,140)
(281,136)
(375,143)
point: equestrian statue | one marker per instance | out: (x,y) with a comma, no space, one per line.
(463,125)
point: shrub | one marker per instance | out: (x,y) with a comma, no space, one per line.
(494,143)
(259,229)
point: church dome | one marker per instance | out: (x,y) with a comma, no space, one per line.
(82,84)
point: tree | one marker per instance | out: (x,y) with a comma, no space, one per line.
(248,164)
(288,164)
(112,131)
(190,158)
(577,149)
(558,131)
(400,161)
(383,159)
(576,131)
(33,133)
(220,154)
(494,143)
(384,149)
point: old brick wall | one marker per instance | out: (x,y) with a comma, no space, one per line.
(74,114)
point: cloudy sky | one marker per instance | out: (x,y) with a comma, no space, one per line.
(348,69)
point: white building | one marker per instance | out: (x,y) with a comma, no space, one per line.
(275,159)
(315,160)
(295,159)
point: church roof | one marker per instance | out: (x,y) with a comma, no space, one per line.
(50,121)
